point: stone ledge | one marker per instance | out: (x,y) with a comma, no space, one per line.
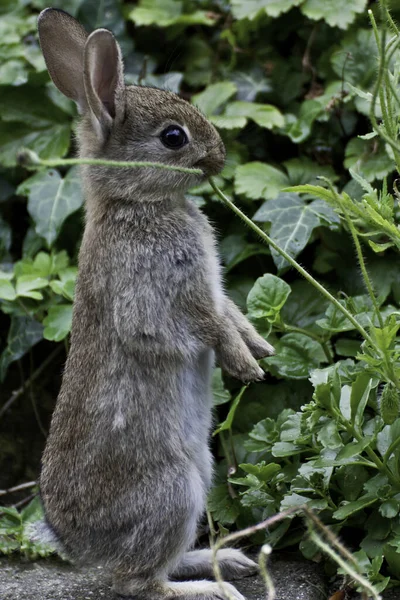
(53,580)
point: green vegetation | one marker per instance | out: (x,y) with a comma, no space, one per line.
(306,99)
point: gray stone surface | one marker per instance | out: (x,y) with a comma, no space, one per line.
(51,580)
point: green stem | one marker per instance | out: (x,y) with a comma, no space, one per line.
(378,87)
(292,262)
(67,162)
(360,256)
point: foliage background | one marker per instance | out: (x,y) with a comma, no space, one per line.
(288,83)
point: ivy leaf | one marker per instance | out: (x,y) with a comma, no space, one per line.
(292,223)
(296,355)
(267,297)
(214,96)
(249,9)
(24,333)
(258,180)
(58,322)
(51,199)
(340,13)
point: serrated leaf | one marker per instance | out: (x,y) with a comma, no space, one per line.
(249,9)
(51,199)
(292,223)
(24,333)
(258,180)
(223,507)
(296,356)
(58,322)
(340,13)
(267,297)
(214,96)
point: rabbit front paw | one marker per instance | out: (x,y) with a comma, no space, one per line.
(239,363)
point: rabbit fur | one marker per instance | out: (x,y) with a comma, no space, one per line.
(127,467)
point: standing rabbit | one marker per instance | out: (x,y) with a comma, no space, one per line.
(127,467)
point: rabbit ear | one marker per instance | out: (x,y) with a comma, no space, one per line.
(104,79)
(62,40)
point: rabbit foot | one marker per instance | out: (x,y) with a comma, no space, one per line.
(181,590)
(199,563)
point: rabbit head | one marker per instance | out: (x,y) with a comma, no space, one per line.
(125,123)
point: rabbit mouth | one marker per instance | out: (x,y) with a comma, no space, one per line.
(210,164)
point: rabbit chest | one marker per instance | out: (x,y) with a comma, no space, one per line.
(153,272)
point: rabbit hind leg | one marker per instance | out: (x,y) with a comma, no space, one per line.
(199,563)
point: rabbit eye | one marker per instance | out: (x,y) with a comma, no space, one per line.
(173,137)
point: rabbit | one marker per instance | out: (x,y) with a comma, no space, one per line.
(127,467)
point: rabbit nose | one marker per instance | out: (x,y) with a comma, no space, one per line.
(212,163)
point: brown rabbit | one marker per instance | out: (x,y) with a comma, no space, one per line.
(127,466)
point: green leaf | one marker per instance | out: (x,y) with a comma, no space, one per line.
(258,180)
(390,508)
(265,115)
(338,14)
(304,170)
(24,333)
(353,448)
(299,127)
(51,199)
(292,223)
(356,57)
(223,507)
(167,12)
(249,9)
(360,391)
(267,297)
(263,472)
(235,249)
(52,142)
(214,96)
(348,509)
(58,322)
(27,283)
(227,424)
(296,356)
(220,393)
(7,291)
(369,157)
